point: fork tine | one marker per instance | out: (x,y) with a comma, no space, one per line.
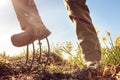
(48,55)
(39,59)
(27,54)
(33,55)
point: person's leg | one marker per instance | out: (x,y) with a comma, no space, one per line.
(30,22)
(79,14)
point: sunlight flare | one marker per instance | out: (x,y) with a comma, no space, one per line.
(3,3)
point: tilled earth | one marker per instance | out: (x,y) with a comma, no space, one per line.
(14,69)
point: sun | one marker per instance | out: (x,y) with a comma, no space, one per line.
(3,2)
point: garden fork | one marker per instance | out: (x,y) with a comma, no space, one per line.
(40,55)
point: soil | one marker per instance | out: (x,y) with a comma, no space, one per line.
(15,69)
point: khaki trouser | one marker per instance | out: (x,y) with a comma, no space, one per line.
(27,13)
(79,14)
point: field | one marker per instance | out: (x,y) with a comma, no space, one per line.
(59,68)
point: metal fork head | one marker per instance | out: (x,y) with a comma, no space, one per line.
(40,55)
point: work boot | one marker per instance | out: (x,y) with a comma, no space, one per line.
(30,22)
(93,64)
(29,36)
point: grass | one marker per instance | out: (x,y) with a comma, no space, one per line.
(111,50)
(59,67)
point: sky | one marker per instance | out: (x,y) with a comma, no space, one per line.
(105,15)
